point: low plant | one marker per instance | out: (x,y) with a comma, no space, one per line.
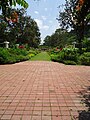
(84,59)
(12,55)
(31,55)
(70,56)
(69,62)
(64,55)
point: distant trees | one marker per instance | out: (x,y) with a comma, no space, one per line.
(76,16)
(57,39)
(22,30)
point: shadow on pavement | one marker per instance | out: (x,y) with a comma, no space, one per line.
(85,115)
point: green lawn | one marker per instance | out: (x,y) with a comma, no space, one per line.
(43,56)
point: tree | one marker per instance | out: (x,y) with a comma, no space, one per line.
(28,30)
(22,31)
(3,29)
(57,39)
(47,41)
(6,4)
(76,15)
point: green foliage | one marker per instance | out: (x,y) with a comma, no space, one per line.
(31,55)
(43,56)
(33,52)
(18,51)
(5,56)
(69,62)
(55,58)
(58,38)
(6,4)
(54,51)
(12,55)
(74,18)
(70,56)
(65,54)
(86,44)
(24,31)
(85,58)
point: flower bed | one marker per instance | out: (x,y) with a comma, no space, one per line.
(70,56)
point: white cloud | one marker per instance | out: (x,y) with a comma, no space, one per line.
(43,17)
(36,12)
(41,25)
(39,22)
(45,27)
(50,21)
(45,9)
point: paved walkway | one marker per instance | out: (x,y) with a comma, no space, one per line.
(42,91)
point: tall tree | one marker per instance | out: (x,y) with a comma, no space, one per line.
(28,30)
(3,29)
(24,30)
(76,15)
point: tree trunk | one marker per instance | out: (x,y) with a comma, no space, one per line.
(80,34)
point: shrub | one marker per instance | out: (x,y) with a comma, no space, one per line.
(35,52)
(18,51)
(66,56)
(71,54)
(85,58)
(68,62)
(12,55)
(87,54)
(31,55)
(4,55)
(61,56)
(54,51)
(54,58)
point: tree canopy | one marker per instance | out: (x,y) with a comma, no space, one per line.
(57,39)
(76,16)
(6,4)
(22,31)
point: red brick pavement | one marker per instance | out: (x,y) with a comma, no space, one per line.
(42,91)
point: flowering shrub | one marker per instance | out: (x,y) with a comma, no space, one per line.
(70,56)
(21,46)
(65,54)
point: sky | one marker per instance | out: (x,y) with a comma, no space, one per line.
(45,12)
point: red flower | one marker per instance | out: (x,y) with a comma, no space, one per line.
(60,49)
(21,46)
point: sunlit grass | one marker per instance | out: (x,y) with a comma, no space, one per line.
(43,56)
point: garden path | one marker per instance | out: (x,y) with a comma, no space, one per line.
(42,90)
(42,56)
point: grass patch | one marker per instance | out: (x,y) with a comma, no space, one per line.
(43,56)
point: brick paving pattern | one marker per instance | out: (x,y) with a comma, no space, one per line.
(42,91)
